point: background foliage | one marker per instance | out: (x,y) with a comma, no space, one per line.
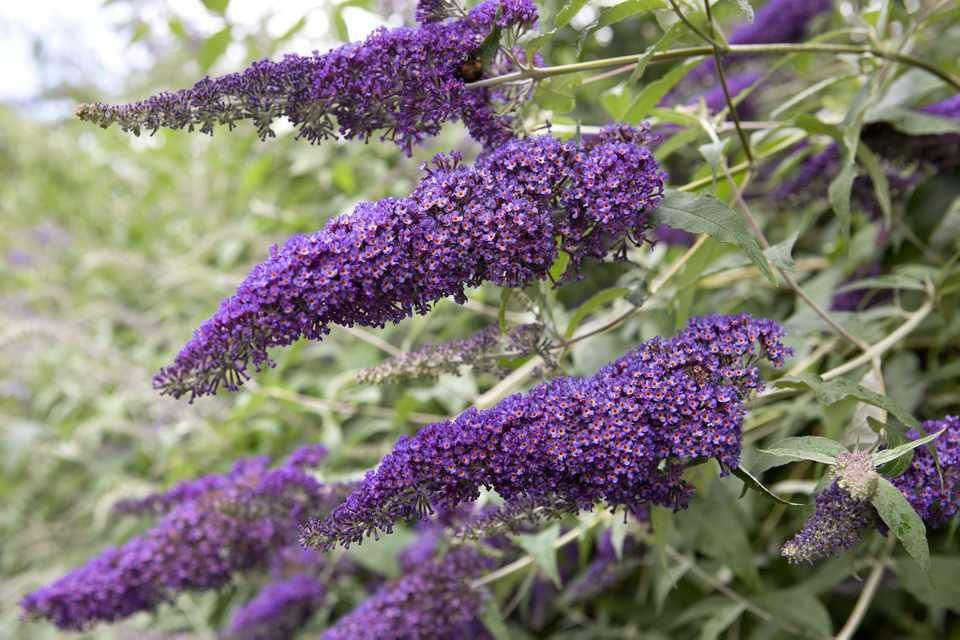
(115,247)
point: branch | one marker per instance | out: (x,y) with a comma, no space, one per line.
(683,53)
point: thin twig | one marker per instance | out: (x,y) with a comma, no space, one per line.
(720,587)
(703,36)
(721,74)
(867,594)
(787,278)
(683,53)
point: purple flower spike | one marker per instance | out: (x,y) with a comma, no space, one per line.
(216,527)
(496,221)
(622,436)
(432,601)
(404,83)
(278,610)
(935,502)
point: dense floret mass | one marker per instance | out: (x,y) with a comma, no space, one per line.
(622,436)
(936,502)
(431,601)
(404,83)
(495,221)
(213,528)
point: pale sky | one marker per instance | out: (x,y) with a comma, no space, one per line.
(80,30)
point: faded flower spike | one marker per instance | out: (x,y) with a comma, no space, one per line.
(622,436)
(404,83)
(481,351)
(838,522)
(433,600)
(495,221)
(214,528)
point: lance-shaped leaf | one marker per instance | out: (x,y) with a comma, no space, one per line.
(812,448)
(888,455)
(751,482)
(836,390)
(706,214)
(903,522)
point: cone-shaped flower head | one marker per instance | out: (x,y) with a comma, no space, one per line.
(278,610)
(621,436)
(404,83)
(495,221)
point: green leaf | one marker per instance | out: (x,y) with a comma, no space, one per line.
(502,311)
(746,9)
(216,6)
(721,619)
(616,100)
(878,177)
(706,214)
(380,555)
(781,254)
(917,123)
(492,619)
(836,390)
(751,482)
(567,13)
(213,47)
(903,522)
(664,42)
(654,92)
(939,587)
(800,608)
(294,29)
(889,455)
(624,10)
(720,533)
(593,303)
(555,95)
(559,266)
(488,48)
(813,448)
(540,547)
(841,187)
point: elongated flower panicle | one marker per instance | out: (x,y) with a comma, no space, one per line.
(838,522)
(622,436)
(496,221)
(278,610)
(432,601)
(404,83)
(920,483)
(204,539)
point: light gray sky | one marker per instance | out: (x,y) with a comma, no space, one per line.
(71,29)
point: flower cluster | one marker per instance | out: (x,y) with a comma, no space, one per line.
(481,351)
(432,600)
(403,82)
(622,436)
(838,522)
(936,502)
(214,527)
(495,221)
(279,609)
(843,512)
